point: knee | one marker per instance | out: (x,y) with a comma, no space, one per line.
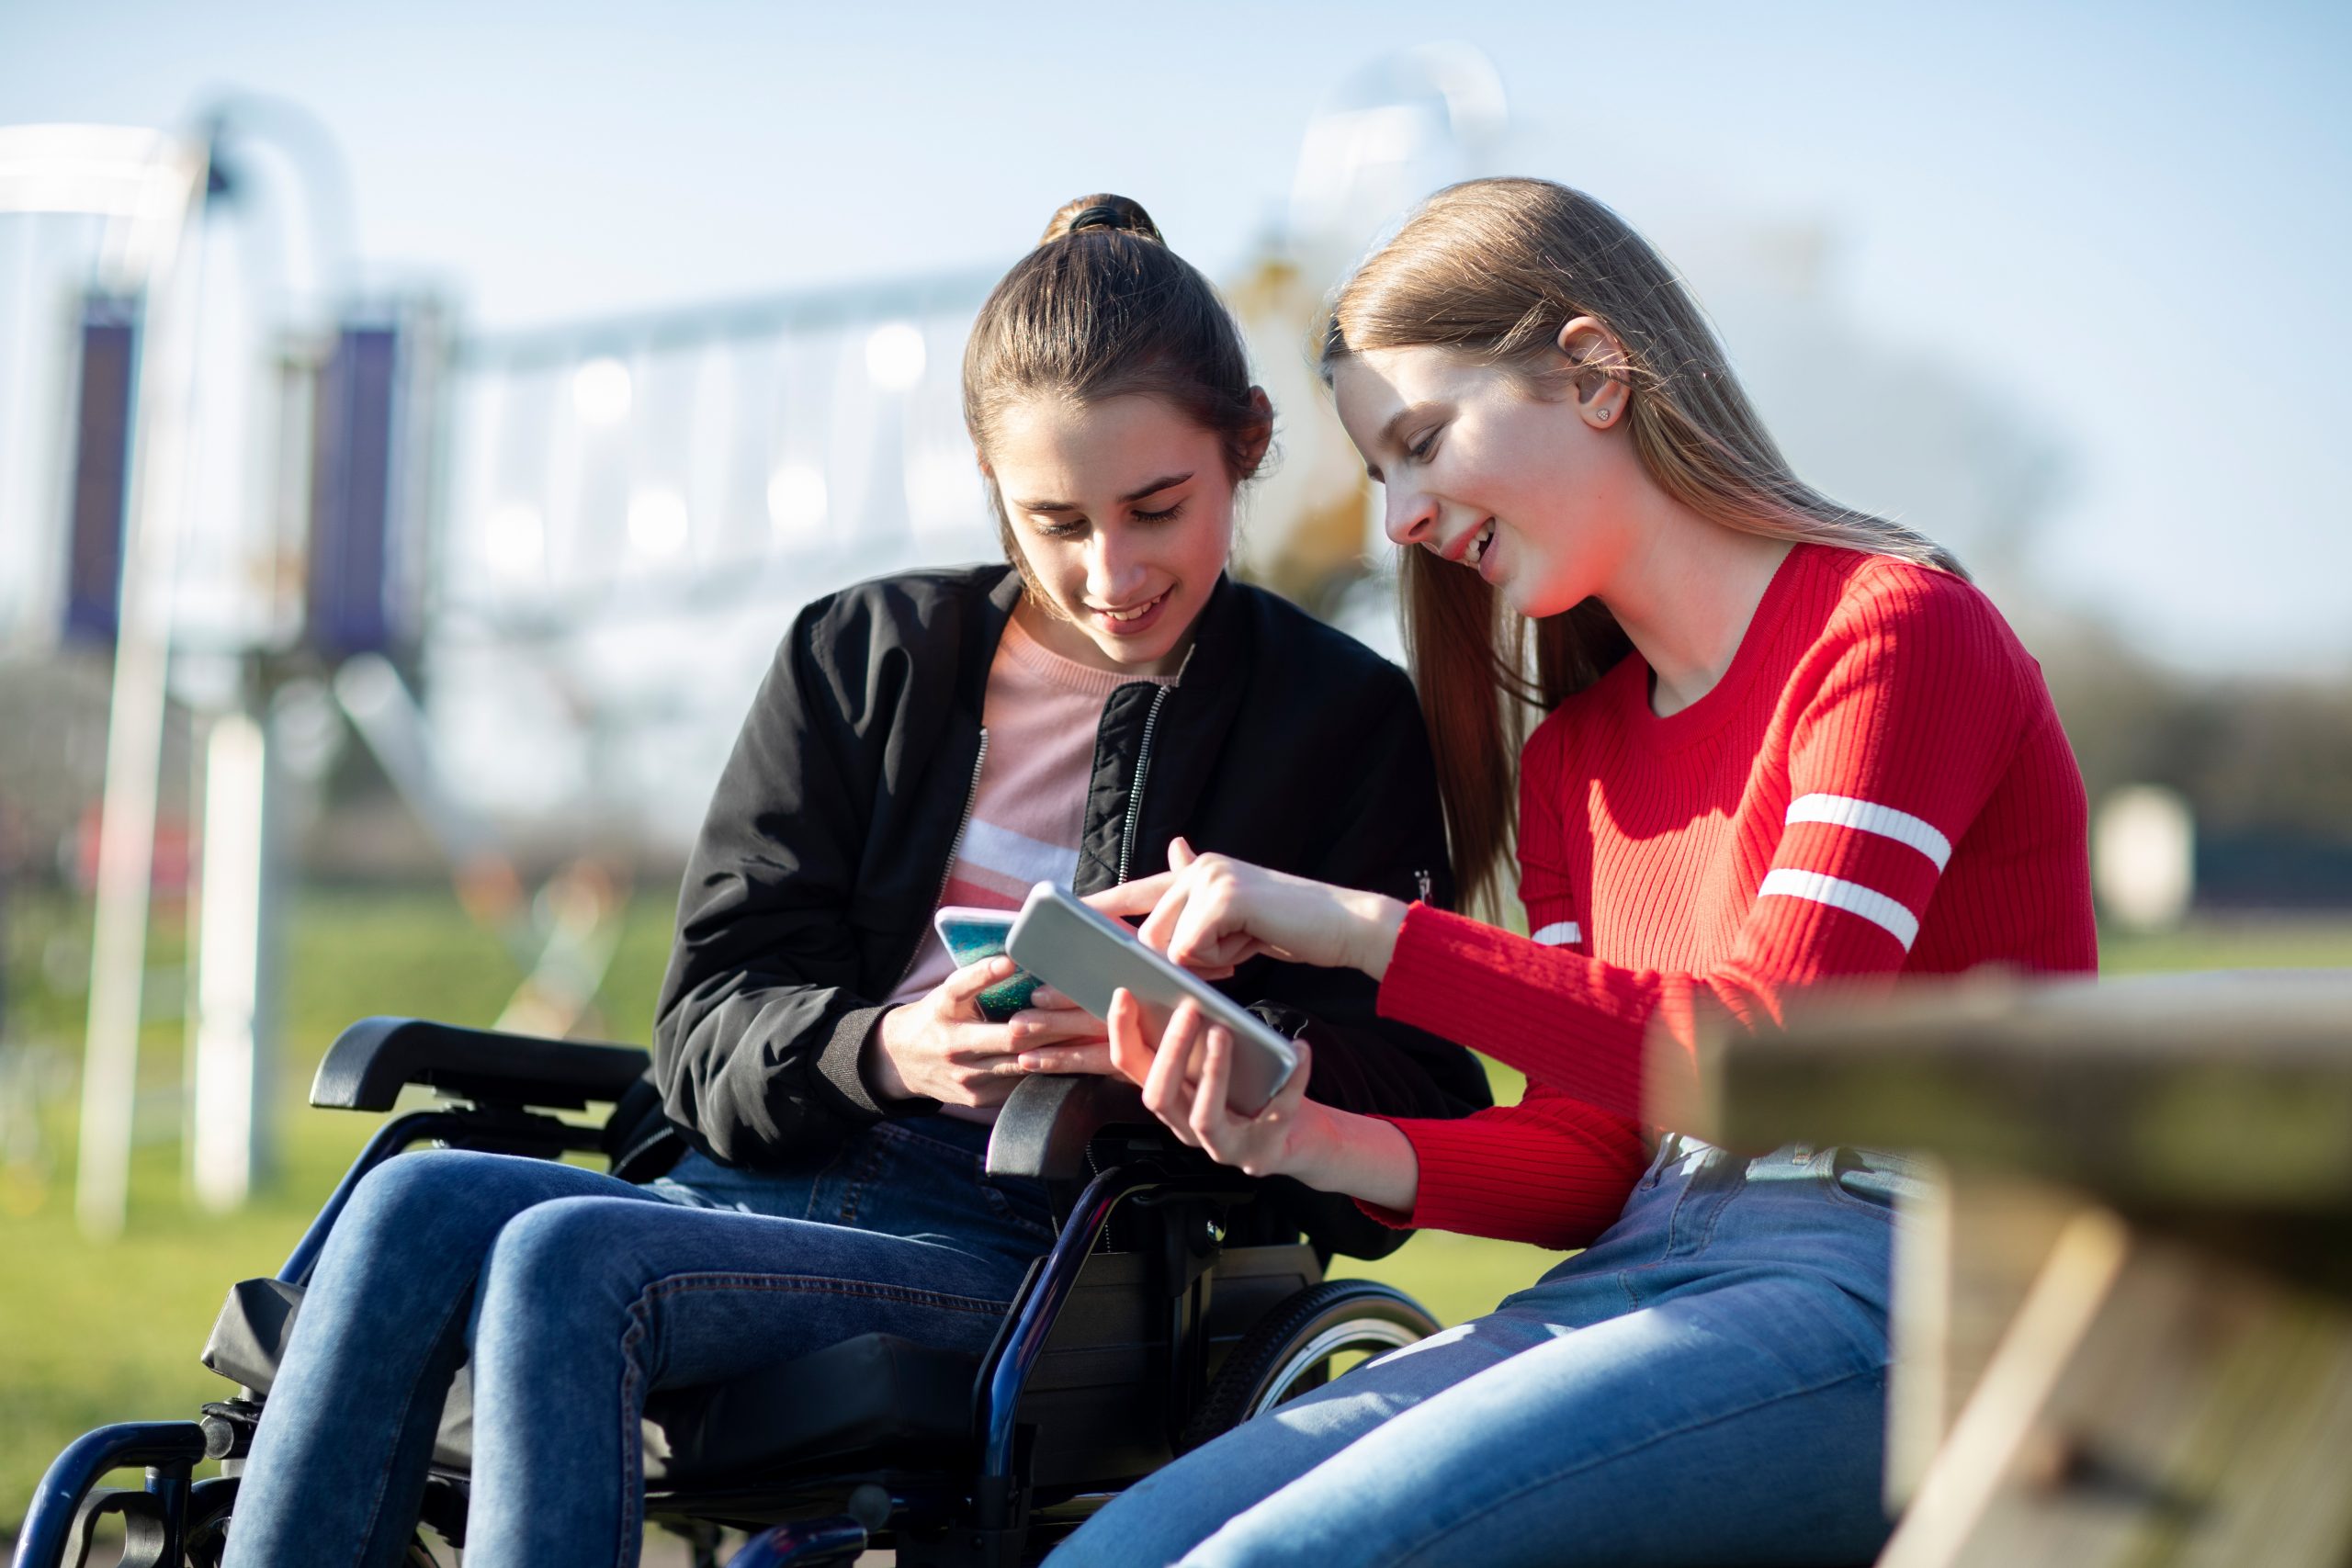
(563,1251)
(415,1192)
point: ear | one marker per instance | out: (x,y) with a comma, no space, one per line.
(1253,449)
(1598,362)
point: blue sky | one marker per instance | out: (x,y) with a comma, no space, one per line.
(2127,222)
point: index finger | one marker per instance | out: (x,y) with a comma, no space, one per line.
(1136,897)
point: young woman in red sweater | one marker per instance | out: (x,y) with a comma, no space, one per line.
(1786,743)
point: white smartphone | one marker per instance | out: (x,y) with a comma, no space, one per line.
(1085,954)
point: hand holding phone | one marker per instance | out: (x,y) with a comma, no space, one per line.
(1087,956)
(972,934)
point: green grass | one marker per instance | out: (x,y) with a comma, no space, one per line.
(97,1331)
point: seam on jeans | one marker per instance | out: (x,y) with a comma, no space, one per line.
(383,1483)
(864,1172)
(1410,1553)
(818,1284)
(632,1437)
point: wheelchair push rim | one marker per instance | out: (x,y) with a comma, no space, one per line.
(1290,1350)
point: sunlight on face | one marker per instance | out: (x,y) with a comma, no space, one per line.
(1483,473)
(1123,510)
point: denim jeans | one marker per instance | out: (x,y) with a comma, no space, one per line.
(575,1294)
(1706,1383)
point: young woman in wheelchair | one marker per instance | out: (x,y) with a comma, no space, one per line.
(1786,743)
(935,738)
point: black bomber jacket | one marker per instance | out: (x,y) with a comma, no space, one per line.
(829,839)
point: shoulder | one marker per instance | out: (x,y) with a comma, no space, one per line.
(1912,623)
(905,606)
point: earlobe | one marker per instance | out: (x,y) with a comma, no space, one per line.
(1597,361)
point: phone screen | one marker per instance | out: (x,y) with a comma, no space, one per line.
(974,934)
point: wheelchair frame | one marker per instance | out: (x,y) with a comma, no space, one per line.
(1102,1160)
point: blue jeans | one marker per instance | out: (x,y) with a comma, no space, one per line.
(1706,1383)
(575,1294)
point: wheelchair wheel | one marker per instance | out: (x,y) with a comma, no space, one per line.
(1292,1348)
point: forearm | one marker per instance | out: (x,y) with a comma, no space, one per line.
(1363,1158)
(760,1076)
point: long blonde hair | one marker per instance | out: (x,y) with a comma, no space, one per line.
(1493,269)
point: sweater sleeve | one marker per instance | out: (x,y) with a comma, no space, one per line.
(1551,1170)
(1908,712)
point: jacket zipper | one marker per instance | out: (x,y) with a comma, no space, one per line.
(1143,766)
(947,874)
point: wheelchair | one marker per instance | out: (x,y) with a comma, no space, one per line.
(1171,1305)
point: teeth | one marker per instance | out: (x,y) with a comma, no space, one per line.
(1138,610)
(1478,551)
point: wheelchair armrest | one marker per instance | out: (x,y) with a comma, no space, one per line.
(369,1062)
(1042,1129)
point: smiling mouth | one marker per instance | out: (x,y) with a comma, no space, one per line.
(1135,612)
(1479,542)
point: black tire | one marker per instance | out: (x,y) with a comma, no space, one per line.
(1290,1348)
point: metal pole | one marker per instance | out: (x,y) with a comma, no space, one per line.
(232,971)
(135,727)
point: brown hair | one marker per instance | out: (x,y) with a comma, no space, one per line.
(1101,308)
(1493,269)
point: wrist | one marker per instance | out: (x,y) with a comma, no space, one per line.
(876,1064)
(1316,1151)
(1373,934)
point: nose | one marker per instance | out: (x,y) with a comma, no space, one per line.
(1115,568)
(1408,515)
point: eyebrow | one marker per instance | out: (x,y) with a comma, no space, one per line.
(1388,436)
(1167,482)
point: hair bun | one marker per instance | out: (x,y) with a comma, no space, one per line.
(1101,211)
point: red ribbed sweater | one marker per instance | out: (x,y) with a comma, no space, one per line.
(1877,786)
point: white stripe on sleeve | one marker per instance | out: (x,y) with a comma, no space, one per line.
(1559,933)
(1869,817)
(1850,896)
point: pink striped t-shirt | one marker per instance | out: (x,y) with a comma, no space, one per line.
(1040,717)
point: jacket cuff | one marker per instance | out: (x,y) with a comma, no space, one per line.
(841,1069)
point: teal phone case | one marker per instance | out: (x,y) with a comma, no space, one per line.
(968,942)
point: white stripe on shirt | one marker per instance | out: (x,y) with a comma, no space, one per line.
(1017,856)
(1850,896)
(1560,933)
(1869,817)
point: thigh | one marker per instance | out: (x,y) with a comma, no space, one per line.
(695,1295)
(1738,1424)
(414,1234)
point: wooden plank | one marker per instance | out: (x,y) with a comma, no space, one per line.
(1965,1257)
(2150,1404)
(2213,1092)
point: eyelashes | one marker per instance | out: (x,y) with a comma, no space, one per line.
(1071,530)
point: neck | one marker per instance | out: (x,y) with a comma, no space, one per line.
(1685,596)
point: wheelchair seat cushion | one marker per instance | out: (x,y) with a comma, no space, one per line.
(875,1392)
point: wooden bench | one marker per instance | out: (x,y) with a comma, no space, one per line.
(2123,1318)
